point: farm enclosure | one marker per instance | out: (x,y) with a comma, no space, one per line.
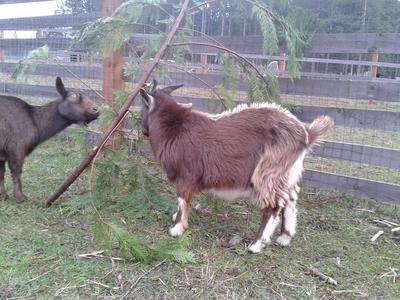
(51,253)
(341,76)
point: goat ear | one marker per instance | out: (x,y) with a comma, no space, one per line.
(148,100)
(153,87)
(169,89)
(60,87)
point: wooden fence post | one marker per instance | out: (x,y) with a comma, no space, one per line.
(374,69)
(2,53)
(112,68)
(282,64)
(204,61)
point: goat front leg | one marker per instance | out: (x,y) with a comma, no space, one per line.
(181,217)
(269,222)
(3,193)
(15,163)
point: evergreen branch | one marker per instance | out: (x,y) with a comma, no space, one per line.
(234,53)
(122,113)
(203,34)
(200,5)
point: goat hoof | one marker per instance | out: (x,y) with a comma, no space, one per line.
(284,240)
(256,246)
(20,199)
(3,197)
(177,230)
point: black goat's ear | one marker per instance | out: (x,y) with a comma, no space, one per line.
(145,97)
(169,89)
(60,87)
(154,86)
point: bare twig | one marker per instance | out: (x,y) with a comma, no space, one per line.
(386,223)
(391,273)
(52,268)
(378,234)
(395,229)
(103,285)
(123,111)
(202,81)
(234,53)
(140,278)
(322,276)
(97,254)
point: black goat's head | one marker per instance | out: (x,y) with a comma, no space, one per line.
(76,106)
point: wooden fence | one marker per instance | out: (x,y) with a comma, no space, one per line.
(310,84)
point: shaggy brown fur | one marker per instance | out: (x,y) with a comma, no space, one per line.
(258,149)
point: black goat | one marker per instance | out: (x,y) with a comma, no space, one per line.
(24,126)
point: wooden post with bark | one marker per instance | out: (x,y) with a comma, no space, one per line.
(374,68)
(112,69)
(204,61)
(2,52)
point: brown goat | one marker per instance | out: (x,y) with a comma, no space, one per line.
(25,126)
(254,151)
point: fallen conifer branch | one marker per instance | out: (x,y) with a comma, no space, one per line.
(123,111)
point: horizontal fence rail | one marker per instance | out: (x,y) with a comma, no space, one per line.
(54,21)
(377,156)
(349,89)
(19,1)
(358,118)
(358,186)
(346,117)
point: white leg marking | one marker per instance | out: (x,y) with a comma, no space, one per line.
(293,195)
(179,228)
(290,219)
(269,229)
(272,223)
(283,240)
(256,247)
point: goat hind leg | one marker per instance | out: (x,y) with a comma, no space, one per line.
(3,193)
(289,218)
(15,163)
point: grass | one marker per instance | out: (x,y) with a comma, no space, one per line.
(39,247)
(368,137)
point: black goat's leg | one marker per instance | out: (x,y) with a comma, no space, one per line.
(15,163)
(3,193)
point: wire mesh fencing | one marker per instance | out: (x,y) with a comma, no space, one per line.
(358,90)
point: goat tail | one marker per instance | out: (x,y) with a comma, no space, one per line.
(318,129)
